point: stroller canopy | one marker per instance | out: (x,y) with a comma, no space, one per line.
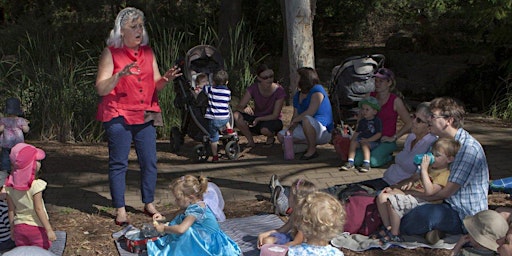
(202,59)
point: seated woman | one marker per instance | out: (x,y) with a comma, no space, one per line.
(418,141)
(265,118)
(392,106)
(312,122)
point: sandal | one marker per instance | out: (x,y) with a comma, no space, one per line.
(379,234)
(390,238)
(270,142)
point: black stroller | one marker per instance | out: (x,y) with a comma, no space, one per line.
(208,60)
(350,82)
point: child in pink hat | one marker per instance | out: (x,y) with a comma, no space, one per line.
(27,213)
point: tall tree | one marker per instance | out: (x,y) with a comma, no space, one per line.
(299,24)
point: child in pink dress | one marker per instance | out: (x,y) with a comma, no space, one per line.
(27,214)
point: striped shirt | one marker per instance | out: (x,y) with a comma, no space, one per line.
(218,102)
(470,171)
(5,231)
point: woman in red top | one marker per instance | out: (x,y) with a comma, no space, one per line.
(391,107)
(128,81)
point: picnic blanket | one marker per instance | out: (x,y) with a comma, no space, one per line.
(244,231)
(358,243)
(57,247)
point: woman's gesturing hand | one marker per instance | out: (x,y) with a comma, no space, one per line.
(172,73)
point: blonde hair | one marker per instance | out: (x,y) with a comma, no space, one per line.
(319,216)
(300,188)
(200,77)
(189,186)
(448,146)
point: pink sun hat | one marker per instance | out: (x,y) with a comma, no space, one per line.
(23,160)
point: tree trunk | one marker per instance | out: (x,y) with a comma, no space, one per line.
(229,16)
(299,24)
(284,65)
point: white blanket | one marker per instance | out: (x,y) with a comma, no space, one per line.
(358,243)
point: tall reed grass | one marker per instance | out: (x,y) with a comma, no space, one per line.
(54,78)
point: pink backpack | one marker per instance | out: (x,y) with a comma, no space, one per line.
(362,215)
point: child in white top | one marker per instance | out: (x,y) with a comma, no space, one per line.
(27,214)
(320,217)
(12,128)
(394,203)
(287,234)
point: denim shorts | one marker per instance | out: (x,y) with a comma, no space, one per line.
(213,128)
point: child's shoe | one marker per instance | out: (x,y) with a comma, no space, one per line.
(230,132)
(365,167)
(215,159)
(348,166)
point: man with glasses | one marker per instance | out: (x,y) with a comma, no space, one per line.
(465,194)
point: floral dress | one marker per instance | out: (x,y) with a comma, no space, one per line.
(307,249)
(204,237)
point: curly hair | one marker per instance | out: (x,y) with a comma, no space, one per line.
(319,216)
(189,186)
(450,107)
(300,188)
(115,38)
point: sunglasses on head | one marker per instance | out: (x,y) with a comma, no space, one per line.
(418,120)
(266,77)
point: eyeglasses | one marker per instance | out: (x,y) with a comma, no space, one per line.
(418,120)
(434,116)
(266,77)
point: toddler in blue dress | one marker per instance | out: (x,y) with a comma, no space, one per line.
(194,232)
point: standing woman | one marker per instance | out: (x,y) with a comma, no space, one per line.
(312,121)
(128,81)
(392,107)
(265,118)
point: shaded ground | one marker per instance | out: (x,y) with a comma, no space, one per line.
(89,230)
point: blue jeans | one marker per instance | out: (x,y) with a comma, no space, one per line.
(213,128)
(424,218)
(6,162)
(120,137)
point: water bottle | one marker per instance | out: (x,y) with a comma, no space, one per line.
(419,158)
(288,146)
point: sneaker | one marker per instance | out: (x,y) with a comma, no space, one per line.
(348,166)
(272,185)
(365,168)
(433,236)
(215,159)
(230,132)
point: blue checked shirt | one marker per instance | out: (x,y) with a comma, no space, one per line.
(470,171)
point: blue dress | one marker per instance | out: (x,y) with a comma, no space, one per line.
(204,237)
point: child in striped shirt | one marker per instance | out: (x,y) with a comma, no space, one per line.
(217,111)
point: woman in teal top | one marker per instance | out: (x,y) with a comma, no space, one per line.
(312,121)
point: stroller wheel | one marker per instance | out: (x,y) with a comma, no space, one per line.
(175,139)
(201,152)
(232,150)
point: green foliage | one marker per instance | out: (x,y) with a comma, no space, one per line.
(502,103)
(55,82)
(240,59)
